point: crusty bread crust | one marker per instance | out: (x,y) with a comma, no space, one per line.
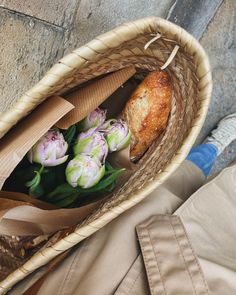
(147,111)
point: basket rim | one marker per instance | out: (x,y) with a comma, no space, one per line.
(33,97)
(70,62)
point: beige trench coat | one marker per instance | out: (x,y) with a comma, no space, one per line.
(146,252)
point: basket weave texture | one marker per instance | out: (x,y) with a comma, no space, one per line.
(124,46)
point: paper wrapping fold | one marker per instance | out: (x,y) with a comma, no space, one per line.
(22,218)
(20,197)
(17,142)
(22,215)
(90,97)
(121,159)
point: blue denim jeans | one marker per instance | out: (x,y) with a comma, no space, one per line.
(203,156)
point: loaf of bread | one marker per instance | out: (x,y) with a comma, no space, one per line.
(147,111)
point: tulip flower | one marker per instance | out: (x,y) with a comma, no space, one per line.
(50,150)
(94,119)
(92,143)
(117,134)
(84,171)
(107,124)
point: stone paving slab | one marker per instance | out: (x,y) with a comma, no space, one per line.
(192,15)
(27,49)
(57,12)
(95,17)
(219,43)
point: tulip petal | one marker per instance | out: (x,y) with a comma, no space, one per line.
(92,143)
(56,162)
(94,181)
(84,171)
(125,142)
(50,149)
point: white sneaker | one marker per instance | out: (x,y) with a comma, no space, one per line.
(224,133)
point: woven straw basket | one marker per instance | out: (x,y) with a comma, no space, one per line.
(124,46)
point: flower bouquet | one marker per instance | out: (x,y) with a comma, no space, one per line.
(70,168)
(60,162)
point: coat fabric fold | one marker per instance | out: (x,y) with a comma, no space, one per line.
(185,244)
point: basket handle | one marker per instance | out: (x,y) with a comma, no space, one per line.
(33,289)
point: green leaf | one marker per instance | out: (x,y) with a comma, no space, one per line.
(66,202)
(61,196)
(36,192)
(66,188)
(80,125)
(69,134)
(109,167)
(105,182)
(62,189)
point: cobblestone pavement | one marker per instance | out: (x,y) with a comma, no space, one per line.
(35,34)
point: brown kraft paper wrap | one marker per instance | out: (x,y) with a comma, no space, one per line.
(22,215)
(23,218)
(88,98)
(18,141)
